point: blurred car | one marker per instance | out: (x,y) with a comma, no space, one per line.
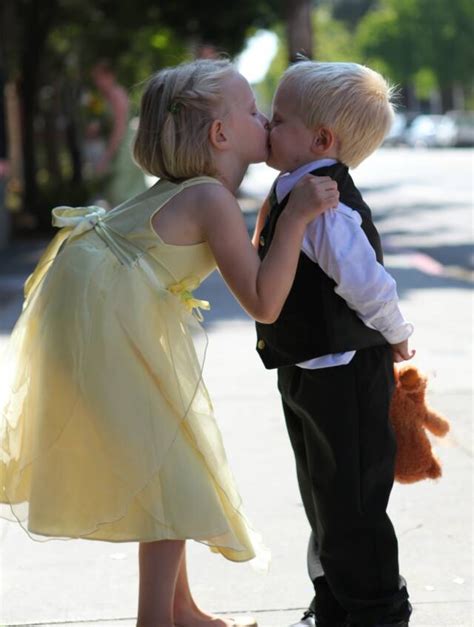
(396,135)
(463,127)
(431,130)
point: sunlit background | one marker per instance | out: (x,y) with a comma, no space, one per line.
(59,120)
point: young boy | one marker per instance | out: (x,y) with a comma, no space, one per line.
(334,343)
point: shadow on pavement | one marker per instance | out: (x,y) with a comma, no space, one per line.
(410,214)
(19,260)
(451,254)
(410,279)
(225,307)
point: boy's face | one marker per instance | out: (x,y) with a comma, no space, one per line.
(290,140)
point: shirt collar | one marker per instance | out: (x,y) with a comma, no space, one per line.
(286,181)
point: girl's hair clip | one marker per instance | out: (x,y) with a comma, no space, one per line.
(174,107)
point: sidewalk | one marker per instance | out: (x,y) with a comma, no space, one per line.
(64,583)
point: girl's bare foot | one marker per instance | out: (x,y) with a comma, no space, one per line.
(188,616)
(198,618)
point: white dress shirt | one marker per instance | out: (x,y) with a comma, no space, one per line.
(337,243)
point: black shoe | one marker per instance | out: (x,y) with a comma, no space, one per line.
(402,623)
(309,620)
(327,609)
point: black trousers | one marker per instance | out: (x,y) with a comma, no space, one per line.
(338,423)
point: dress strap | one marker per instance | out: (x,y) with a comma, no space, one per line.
(176,188)
(197,180)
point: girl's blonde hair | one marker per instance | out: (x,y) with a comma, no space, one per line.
(177,109)
(351,99)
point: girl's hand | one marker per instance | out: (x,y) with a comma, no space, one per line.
(401,352)
(311,196)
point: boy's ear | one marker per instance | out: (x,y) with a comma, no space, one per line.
(217,135)
(323,140)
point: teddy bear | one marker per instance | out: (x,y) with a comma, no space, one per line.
(411,417)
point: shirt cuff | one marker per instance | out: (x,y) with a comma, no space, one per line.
(400,334)
(389,321)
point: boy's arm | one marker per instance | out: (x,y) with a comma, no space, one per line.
(338,244)
(261,217)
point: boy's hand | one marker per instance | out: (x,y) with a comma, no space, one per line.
(311,196)
(401,352)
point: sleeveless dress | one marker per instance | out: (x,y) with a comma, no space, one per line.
(107,430)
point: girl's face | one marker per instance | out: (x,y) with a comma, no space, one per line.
(246,126)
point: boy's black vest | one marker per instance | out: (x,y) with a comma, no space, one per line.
(315,321)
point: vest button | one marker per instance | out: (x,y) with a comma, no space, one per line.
(261,345)
(261,241)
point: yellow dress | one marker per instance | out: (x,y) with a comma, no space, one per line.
(107,429)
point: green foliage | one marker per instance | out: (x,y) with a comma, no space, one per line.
(50,46)
(385,42)
(333,42)
(130,36)
(425,82)
(350,11)
(425,43)
(266,88)
(137,37)
(222,24)
(412,37)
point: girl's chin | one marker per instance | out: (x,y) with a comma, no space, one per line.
(263,157)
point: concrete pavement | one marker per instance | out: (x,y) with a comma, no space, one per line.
(96,583)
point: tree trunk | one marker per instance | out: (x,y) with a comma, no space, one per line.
(51,143)
(37,20)
(408,96)
(71,90)
(447,100)
(299,28)
(459,101)
(435,101)
(28,89)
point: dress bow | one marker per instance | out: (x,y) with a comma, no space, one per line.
(184,289)
(79,219)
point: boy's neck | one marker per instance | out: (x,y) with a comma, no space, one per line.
(285,184)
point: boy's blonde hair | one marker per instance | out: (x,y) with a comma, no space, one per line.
(177,109)
(351,99)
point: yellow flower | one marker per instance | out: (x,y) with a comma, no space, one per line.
(184,289)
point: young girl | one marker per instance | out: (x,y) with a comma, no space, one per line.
(108,431)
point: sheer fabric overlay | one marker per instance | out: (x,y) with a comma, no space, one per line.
(107,430)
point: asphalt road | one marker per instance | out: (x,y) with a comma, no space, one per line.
(424,214)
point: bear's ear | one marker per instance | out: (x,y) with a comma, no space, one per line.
(411,379)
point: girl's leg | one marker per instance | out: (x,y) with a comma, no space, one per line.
(159,564)
(186,612)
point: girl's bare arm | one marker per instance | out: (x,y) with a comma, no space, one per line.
(261,287)
(262,216)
